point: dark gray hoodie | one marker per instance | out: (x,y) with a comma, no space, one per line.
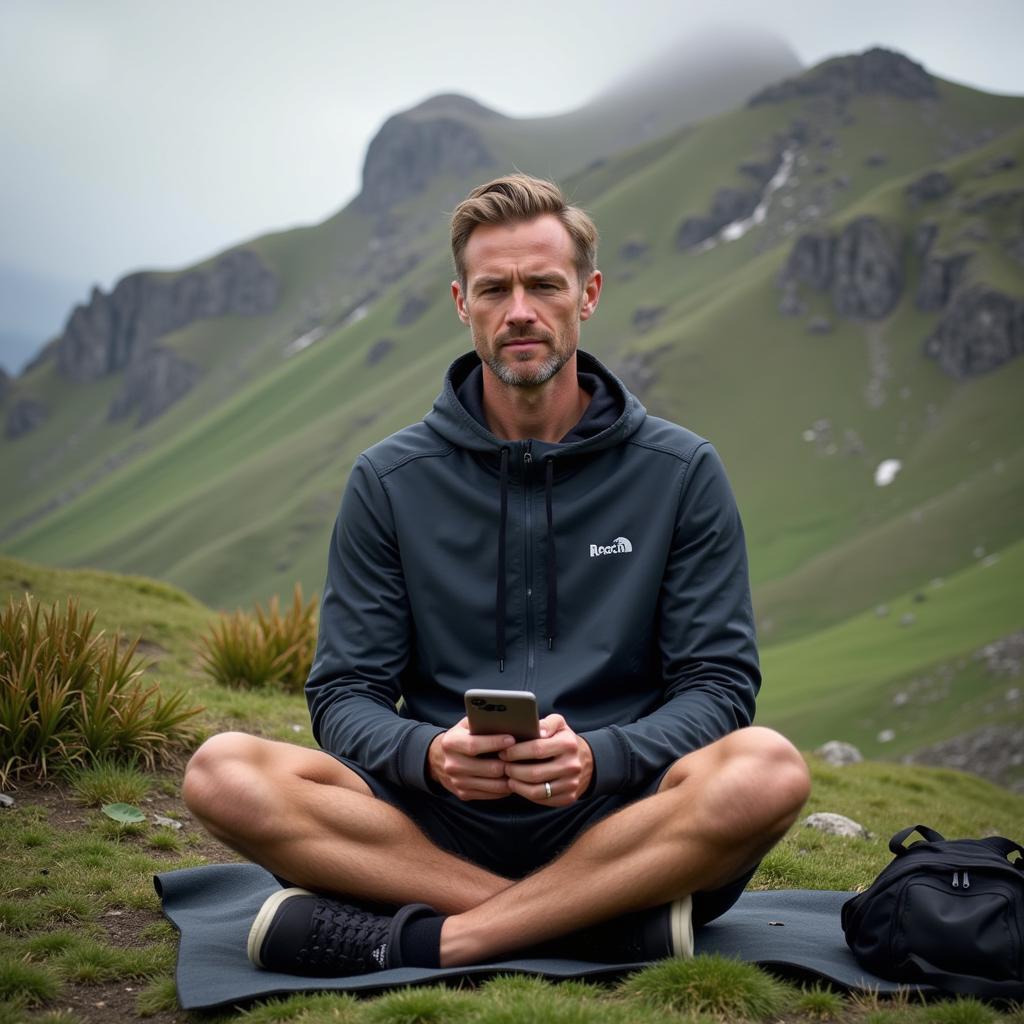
(606,573)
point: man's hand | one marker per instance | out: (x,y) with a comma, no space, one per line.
(455,761)
(565,763)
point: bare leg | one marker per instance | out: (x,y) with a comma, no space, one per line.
(306,817)
(719,810)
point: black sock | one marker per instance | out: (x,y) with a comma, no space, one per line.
(420,941)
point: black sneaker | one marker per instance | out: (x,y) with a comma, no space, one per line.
(299,932)
(640,937)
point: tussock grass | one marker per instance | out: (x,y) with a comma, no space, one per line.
(68,698)
(107,782)
(820,1003)
(963,1010)
(336,1008)
(421,1006)
(265,649)
(159,996)
(713,985)
(91,961)
(27,983)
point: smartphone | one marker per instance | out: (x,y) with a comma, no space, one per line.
(503,711)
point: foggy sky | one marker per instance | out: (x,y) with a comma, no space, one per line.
(138,134)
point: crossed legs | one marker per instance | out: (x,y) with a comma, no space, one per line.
(306,817)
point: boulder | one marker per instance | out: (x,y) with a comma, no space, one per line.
(24,416)
(412,308)
(836,825)
(693,231)
(924,236)
(104,335)
(929,187)
(633,249)
(819,325)
(838,753)
(728,205)
(153,382)
(645,317)
(980,331)
(992,202)
(868,277)
(811,261)
(409,153)
(940,277)
(874,72)
(379,350)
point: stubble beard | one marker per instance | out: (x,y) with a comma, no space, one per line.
(533,373)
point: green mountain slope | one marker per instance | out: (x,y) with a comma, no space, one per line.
(231,492)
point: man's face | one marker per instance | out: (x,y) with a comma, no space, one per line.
(522,300)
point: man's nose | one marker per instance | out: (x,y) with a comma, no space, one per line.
(520,309)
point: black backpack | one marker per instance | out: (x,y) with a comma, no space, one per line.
(948,913)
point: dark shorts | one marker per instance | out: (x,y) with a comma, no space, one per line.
(513,837)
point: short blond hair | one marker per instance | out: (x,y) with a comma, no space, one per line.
(516,198)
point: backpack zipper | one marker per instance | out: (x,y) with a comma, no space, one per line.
(956,880)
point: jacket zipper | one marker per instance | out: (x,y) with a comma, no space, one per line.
(528,560)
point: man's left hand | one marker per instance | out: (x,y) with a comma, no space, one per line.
(563,760)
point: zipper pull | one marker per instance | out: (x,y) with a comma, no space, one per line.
(967,881)
(956,880)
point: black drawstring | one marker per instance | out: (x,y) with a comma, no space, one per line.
(552,610)
(500,625)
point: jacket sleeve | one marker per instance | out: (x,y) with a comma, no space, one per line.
(706,638)
(364,641)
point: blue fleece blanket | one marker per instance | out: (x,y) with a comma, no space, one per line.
(796,931)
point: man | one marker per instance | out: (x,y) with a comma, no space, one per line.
(536,531)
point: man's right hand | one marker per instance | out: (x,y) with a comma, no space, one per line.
(455,761)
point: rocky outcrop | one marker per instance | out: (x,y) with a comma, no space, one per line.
(5,383)
(104,336)
(154,381)
(647,317)
(940,277)
(980,331)
(379,350)
(877,71)
(861,268)
(929,187)
(836,825)
(413,307)
(408,153)
(728,205)
(838,754)
(23,417)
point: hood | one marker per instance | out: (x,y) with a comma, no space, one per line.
(619,417)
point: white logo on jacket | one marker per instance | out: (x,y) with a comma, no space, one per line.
(619,546)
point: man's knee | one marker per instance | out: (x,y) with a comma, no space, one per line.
(754,775)
(218,770)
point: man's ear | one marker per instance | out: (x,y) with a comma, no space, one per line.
(591,295)
(460,302)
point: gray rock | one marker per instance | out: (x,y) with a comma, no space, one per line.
(980,331)
(633,249)
(728,204)
(868,277)
(1015,249)
(410,152)
(5,383)
(877,71)
(762,171)
(992,751)
(379,350)
(412,308)
(24,416)
(811,261)
(639,370)
(924,237)
(997,165)
(693,231)
(819,325)
(103,336)
(836,825)
(993,202)
(876,160)
(153,382)
(940,277)
(647,317)
(6,800)
(929,187)
(838,753)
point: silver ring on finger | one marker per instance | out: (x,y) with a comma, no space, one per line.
(547,791)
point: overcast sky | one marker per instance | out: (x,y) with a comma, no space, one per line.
(137,133)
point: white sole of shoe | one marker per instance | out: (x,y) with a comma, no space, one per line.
(258,931)
(682,928)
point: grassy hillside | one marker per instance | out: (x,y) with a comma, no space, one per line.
(82,939)
(232,492)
